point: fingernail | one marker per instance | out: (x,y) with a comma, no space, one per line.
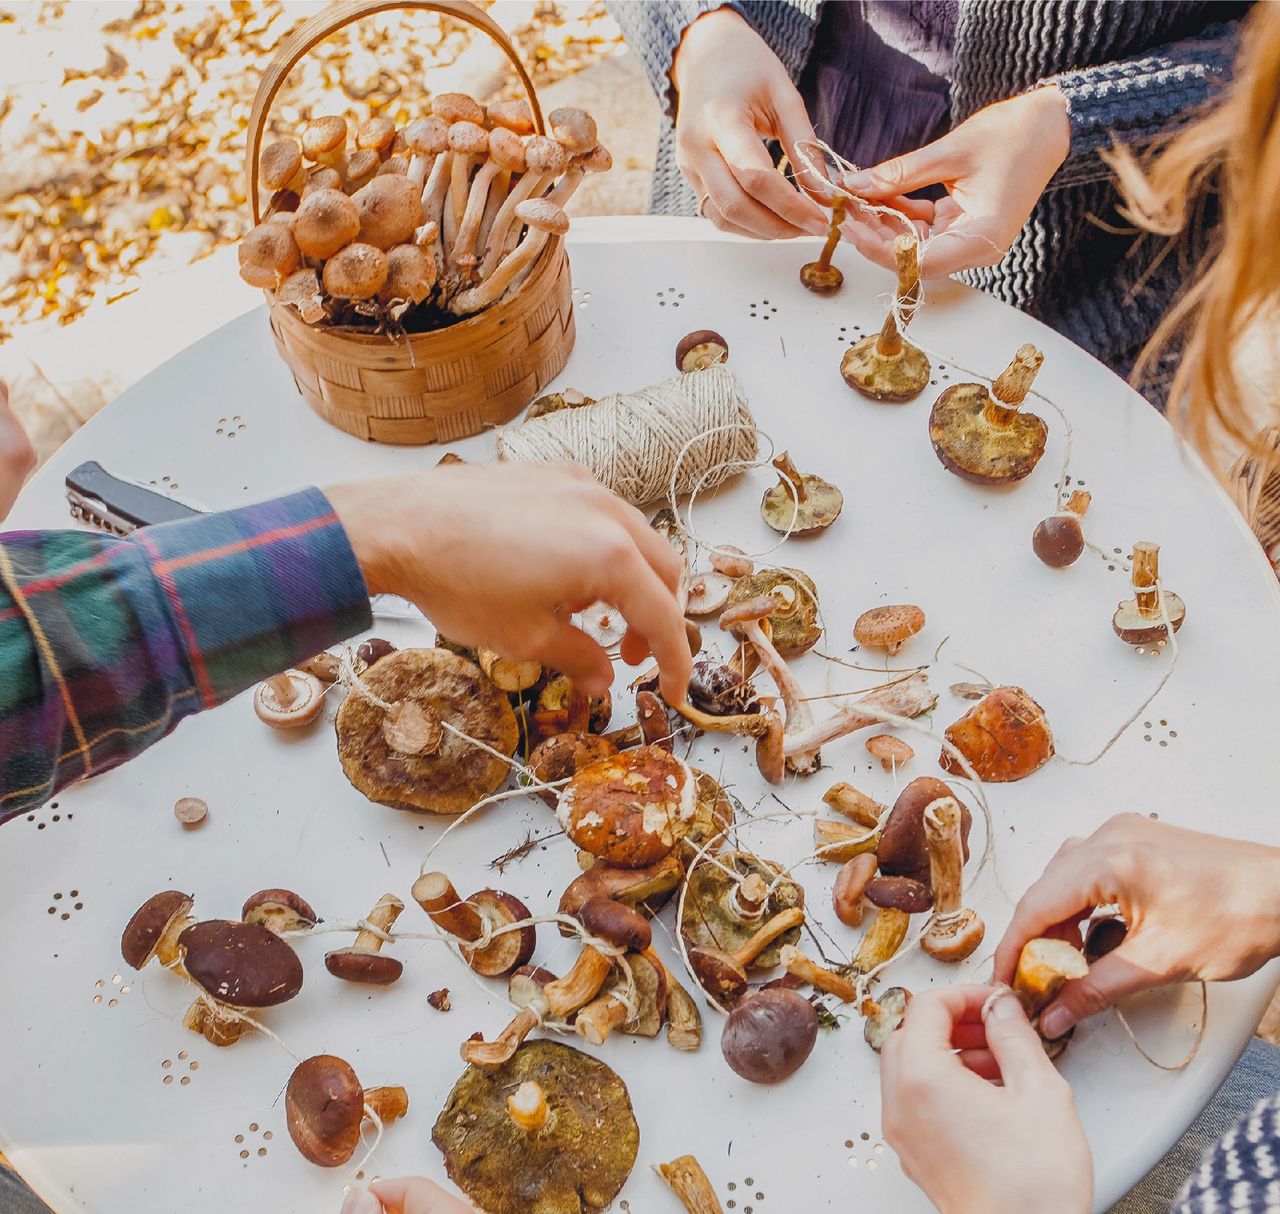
(361,1201)
(1006,1007)
(1057,1022)
(818,226)
(859,181)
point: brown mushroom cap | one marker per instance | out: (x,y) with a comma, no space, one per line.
(278,910)
(458,774)
(713,818)
(323,135)
(305,706)
(770,1036)
(411,274)
(888,627)
(899,893)
(630,809)
(720,690)
(1058,540)
(544,215)
(321,179)
(1137,627)
(564,754)
(894,378)
(468,139)
(545,156)
(427,136)
(268,254)
(376,134)
(358,271)
(598,160)
(390,208)
(1005,737)
(506,150)
(241,964)
(797,630)
(719,975)
(820,507)
(326,219)
(701,349)
(513,115)
(370,969)
(622,926)
(507,952)
(974,447)
(394,166)
(573,128)
(820,279)
(145,930)
(280,163)
(892,752)
(362,167)
(709,920)
(457,107)
(324,1107)
(903,851)
(632,886)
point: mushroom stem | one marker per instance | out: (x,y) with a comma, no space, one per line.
(215,1022)
(507,674)
(847,800)
(387,1104)
(782,922)
(908,697)
(686,1179)
(434,194)
(1012,385)
(469,228)
(747,725)
(491,289)
(599,1018)
(684,1021)
(493,204)
(503,1047)
(1146,577)
(281,686)
(906,251)
(884,937)
(435,893)
(890,342)
(528,1107)
(1078,502)
(381,919)
(564,189)
(789,476)
(838,207)
(946,855)
(529,185)
(841,841)
(747,899)
(1044,967)
(580,985)
(818,976)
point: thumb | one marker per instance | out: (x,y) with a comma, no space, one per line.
(570,650)
(930,165)
(1014,1043)
(1110,979)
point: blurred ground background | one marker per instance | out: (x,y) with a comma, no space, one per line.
(122,134)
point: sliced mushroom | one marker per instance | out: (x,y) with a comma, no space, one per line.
(800,504)
(1005,737)
(1141,619)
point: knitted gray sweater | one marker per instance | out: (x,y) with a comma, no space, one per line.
(1128,69)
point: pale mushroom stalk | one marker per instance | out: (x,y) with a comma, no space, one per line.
(434,196)
(503,1047)
(545,160)
(544,221)
(528,1107)
(954,931)
(506,155)
(598,160)
(686,1179)
(498,194)
(909,697)
(817,976)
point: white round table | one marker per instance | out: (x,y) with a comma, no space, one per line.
(107,1103)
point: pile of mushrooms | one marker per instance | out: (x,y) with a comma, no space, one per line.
(440,219)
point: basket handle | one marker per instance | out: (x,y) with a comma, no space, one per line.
(342,13)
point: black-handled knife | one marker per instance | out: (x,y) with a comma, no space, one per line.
(119,505)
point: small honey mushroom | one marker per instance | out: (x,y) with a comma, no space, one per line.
(986,436)
(896,899)
(800,504)
(884,1015)
(289,700)
(954,930)
(1141,620)
(889,627)
(279,911)
(821,277)
(268,255)
(488,913)
(891,752)
(1004,737)
(324,141)
(363,961)
(241,968)
(152,932)
(1045,966)
(326,1108)
(325,221)
(769,1037)
(885,366)
(1059,539)
(701,349)
(356,272)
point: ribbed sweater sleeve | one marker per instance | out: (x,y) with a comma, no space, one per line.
(1139,98)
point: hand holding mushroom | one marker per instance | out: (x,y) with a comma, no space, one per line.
(404,1195)
(970,1144)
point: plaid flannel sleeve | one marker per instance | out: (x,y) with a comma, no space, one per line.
(106,644)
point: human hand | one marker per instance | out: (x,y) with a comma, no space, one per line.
(17,456)
(994,165)
(970,1145)
(408,1195)
(734,93)
(501,555)
(1197,906)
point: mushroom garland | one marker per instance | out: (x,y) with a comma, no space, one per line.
(447,214)
(885,366)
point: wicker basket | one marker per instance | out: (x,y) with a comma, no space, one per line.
(426,387)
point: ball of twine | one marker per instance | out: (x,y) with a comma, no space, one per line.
(632,442)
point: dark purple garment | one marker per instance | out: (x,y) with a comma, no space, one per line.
(878,81)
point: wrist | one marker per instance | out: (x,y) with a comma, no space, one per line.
(698,36)
(367,512)
(1053,120)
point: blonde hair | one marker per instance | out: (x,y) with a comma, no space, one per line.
(1232,150)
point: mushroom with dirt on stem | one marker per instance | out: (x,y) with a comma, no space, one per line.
(986,436)
(1153,613)
(289,700)
(1059,539)
(363,961)
(701,349)
(723,974)
(154,929)
(888,628)
(768,1037)
(358,271)
(1004,737)
(954,930)
(821,277)
(526,988)
(629,886)
(800,504)
(544,220)
(885,366)
(326,1108)
(492,928)
(268,254)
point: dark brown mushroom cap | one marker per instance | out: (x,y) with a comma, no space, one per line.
(633,886)
(1059,539)
(507,952)
(576,1164)
(242,964)
(1104,936)
(797,631)
(893,378)
(701,349)
(371,969)
(903,851)
(1136,627)
(974,448)
(770,1036)
(1005,737)
(278,910)
(563,755)
(708,920)
(622,926)
(455,776)
(324,1107)
(899,893)
(719,975)
(150,921)
(720,690)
